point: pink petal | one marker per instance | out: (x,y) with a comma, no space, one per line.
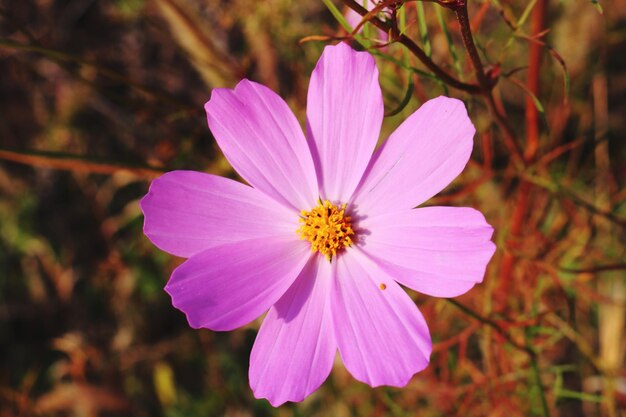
(295,348)
(263,141)
(439,251)
(353,19)
(382,337)
(187,212)
(419,159)
(344,116)
(228,286)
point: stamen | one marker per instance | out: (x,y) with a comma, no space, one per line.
(327,228)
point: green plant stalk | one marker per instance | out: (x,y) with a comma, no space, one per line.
(537,379)
(423,28)
(451,47)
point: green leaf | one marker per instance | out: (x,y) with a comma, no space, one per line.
(518,24)
(405,100)
(598,6)
(582,396)
(337,15)
(524,17)
(451,46)
(535,100)
(423,28)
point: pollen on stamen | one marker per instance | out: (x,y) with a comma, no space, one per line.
(327,227)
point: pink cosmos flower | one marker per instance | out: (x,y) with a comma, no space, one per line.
(326,231)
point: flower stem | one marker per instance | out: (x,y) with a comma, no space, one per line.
(494,325)
(524,197)
(462,16)
(77,163)
(486,84)
(415,50)
(526,347)
(534,366)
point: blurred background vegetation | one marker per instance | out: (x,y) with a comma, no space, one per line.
(99,97)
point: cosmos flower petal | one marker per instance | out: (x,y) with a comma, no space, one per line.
(227,286)
(382,337)
(344,117)
(439,251)
(186,212)
(354,19)
(424,154)
(262,140)
(294,351)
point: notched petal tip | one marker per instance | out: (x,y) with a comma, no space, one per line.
(401,382)
(220,97)
(246,84)
(223,93)
(294,351)
(228,286)
(217,94)
(384,340)
(445,100)
(145,204)
(491,248)
(168,288)
(445,104)
(449,103)
(276,401)
(345,49)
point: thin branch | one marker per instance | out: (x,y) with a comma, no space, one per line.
(594,269)
(415,49)
(494,325)
(526,347)
(486,84)
(563,192)
(534,366)
(75,163)
(468,40)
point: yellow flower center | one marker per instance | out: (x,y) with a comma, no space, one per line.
(327,228)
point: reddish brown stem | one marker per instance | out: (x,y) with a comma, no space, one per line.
(524,198)
(468,39)
(486,83)
(74,163)
(415,50)
(534,63)
(595,269)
